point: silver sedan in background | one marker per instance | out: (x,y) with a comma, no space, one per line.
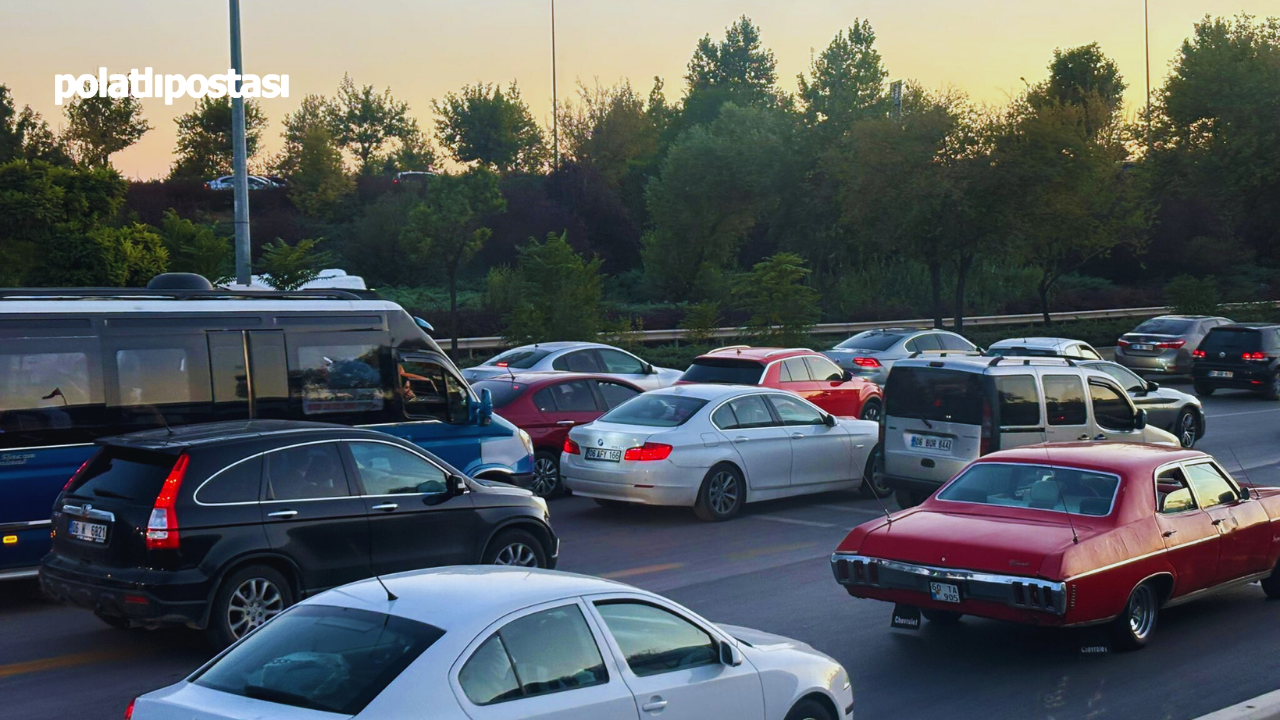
(871,353)
(1164,344)
(585,357)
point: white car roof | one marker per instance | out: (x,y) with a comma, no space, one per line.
(1039,342)
(712,391)
(562,345)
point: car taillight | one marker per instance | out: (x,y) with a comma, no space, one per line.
(1170,345)
(648,451)
(502,364)
(571,447)
(1123,343)
(75,475)
(128,712)
(1255,356)
(984,445)
(866,362)
(1197,353)
(162,527)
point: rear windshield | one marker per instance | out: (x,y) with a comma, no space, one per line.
(870,341)
(123,474)
(323,658)
(1022,351)
(724,371)
(1231,341)
(1036,487)
(503,391)
(934,394)
(520,358)
(650,410)
(1165,326)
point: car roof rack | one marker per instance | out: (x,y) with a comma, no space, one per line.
(944,353)
(727,348)
(1029,360)
(158,294)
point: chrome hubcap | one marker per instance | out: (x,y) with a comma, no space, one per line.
(1142,611)
(871,412)
(545,476)
(517,555)
(256,601)
(1187,430)
(723,492)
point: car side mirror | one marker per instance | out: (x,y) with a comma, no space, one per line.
(649,369)
(829,420)
(1152,386)
(846,376)
(1140,420)
(1244,493)
(485,416)
(730,655)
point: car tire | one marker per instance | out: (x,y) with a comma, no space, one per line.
(873,476)
(1271,391)
(515,548)
(871,411)
(941,617)
(246,599)
(116,621)
(1187,427)
(1203,389)
(546,481)
(722,495)
(1133,628)
(1271,586)
(809,709)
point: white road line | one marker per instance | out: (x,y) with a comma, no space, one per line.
(1246,412)
(790,521)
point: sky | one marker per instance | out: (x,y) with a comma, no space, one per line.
(423,49)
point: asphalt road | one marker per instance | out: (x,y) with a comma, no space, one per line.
(768,569)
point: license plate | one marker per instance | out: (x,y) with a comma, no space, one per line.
(605,455)
(944,592)
(89,532)
(928,443)
(1143,347)
(1221,373)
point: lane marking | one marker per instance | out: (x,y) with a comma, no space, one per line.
(756,552)
(59,662)
(790,521)
(1243,412)
(646,570)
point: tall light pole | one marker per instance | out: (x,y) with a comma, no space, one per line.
(555,102)
(239,159)
(1146,27)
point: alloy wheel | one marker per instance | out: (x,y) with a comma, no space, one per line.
(517,554)
(871,412)
(546,474)
(1142,612)
(256,601)
(723,492)
(1187,430)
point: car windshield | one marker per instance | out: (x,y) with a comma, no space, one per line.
(934,394)
(122,473)
(1036,487)
(520,358)
(1232,341)
(503,391)
(1165,326)
(655,410)
(870,340)
(1022,351)
(724,371)
(322,658)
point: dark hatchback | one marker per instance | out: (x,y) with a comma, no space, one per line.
(222,526)
(1244,357)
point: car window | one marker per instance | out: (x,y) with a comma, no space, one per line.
(1019,401)
(954,342)
(339,378)
(502,391)
(431,391)
(123,473)
(578,361)
(655,410)
(654,641)
(934,394)
(543,400)
(823,370)
(1038,487)
(1064,400)
(1127,379)
(751,412)
(1231,342)
(546,652)
(620,363)
(1086,352)
(573,396)
(390,470)
(724,418)
(615,394)
(1211,486)
(1165,326)
(1173,492)
(321,657)
(306,472)
(725,371)
(519,358)
(794,370)
(924,343)
(1111,409)
(793,411)
(239,483)
(871,340)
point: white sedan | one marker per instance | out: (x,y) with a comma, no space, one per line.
(482,643)
(715,448)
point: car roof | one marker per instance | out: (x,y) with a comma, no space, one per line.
(204,434)
(1099,456)
(1035,342)
(711,391)
(759,354)
(561,345)
(540,378)
(1247,326)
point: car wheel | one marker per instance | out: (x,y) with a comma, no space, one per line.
(809,710)
(1133,628)
(546,474)
(1204,389)
(722,494)
(941,617)
(1187,427)
(1271,586)
(1271,391)
(907,498)
(871,411)
(115,621)
(516,548)
(873,485)
(247,598)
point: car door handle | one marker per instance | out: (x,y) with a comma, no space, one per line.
(1099,436)
(797,436)
(1219,521)
(741,439)
(1170,533)
(282,514)
(385,507)
(1083,437)
(565,422)
(655,704)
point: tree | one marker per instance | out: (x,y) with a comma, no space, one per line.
(846,82)
(196,248)
(319,181)
(103,257)
(446,230)
(99,127)
(204,138)
(363,122)
(482,124)
(779,305)
(414,154)
(289,267)
(738,70)
(610,130)
(314,112)
(24,135)
(1083,77)
(558,294)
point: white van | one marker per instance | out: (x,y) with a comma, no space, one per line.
(943,413)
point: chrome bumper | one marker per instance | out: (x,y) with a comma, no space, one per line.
(853,570)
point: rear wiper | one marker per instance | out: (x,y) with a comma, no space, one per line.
(927,423)
(100,492)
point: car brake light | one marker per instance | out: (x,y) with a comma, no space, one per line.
(128,712)
(866,362)
(1123,343)
(648,451)
(162,527)
(1170,345)
(1197,353)
(984,445)
(1254,356)
(75,475)
(502,364)
(571,447)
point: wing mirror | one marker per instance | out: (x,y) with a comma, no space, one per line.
(730,655)
(1140,420)
(1152,386)
(829,420)
(1244,493)
(485,416)
(649,369)
(846,376)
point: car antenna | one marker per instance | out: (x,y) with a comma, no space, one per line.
(391,597)
(888,516)
(1243,473)
(1075,537)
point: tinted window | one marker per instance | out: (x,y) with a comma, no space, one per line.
(42,389)
(1110,408)
(793,411)
(871,340)
(546,652)
(543,400)
(389,470)
(654,641)
(306,472)
(727,371)
(1210,485)
(620,363)
(124,474)
(239,483)
(954,342)
(162,381)
(323,658)
(1232,341)
(655,410)
(823,369)
(580,361)
(615,394)
(724,418)
(794,370)
(1173,492)
(1038,487)
(574,396)
(1127,379)
(1019,401)
(1022,351)
(431,391)
(504,392)
(751,412)
(520,358)
(1165,326)
(924,343)
(339,379)
(934,394)
(1064,400)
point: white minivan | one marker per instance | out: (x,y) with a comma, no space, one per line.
(943,413)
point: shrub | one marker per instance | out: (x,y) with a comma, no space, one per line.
(1192,296)
(780,306)
(557,294)
(289,267)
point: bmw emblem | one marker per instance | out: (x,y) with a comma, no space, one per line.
(1222,354)
(600,442)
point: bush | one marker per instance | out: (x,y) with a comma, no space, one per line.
(700,319)
(289,267)
(558,296)
(104,257)
(781,307)
(1191,296)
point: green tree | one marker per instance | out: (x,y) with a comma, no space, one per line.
(738,70)
(196,248)
(99,127)
(482,124)
(781,308)
(375,246)
(103,257)
(289,267)
(319,181)
(846,81)
(24,135)
(314,112)
(414,154)
(364,122)
(447,229)
(204,138)
(559,294)
(611,130)
(1085,78)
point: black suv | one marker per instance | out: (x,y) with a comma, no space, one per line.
(1245,357)
(221,526)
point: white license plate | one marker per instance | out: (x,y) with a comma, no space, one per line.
(605,455)
(1221,373)
(1143,347)
(928,443)
(90,532)
(944,592)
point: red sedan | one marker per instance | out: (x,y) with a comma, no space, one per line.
(1069,535)
(804,372)
(546,405)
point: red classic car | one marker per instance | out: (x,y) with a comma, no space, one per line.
(1070,534)
(546,405)
(804,372)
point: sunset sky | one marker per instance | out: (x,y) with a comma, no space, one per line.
(425,48)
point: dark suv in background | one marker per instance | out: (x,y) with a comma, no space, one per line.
(1243,357)
(222,526)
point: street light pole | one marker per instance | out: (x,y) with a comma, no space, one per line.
(239,159)
(1146,26)
(555,102)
